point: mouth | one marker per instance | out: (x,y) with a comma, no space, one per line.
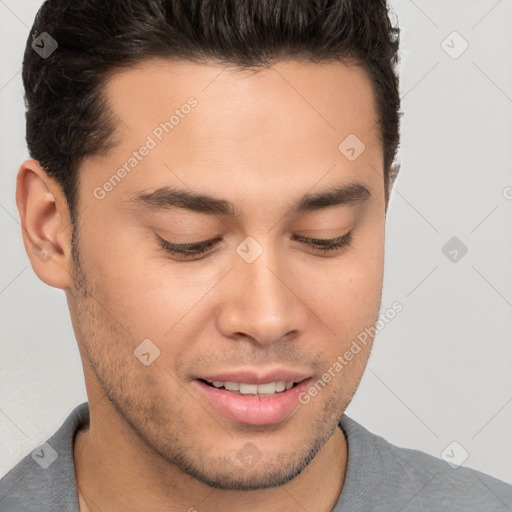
(251,403)
(244,388)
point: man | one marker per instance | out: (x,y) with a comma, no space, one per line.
(209,184)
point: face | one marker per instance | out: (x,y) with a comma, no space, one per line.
(268,300)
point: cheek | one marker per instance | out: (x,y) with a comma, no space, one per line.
(348,290)
(123,277)
(150,296)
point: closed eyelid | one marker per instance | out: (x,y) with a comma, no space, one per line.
(187,251)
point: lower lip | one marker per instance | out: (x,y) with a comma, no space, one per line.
(253,409)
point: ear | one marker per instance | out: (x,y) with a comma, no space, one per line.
(391,177)
(46,224)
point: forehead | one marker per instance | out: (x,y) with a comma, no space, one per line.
(330,97)
(282,123)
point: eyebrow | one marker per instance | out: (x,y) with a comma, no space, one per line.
(168,197)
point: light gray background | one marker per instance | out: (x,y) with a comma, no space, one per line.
(441,370)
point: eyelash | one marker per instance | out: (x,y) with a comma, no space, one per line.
(193,250)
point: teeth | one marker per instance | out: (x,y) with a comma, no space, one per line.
(249,389)
(269,388)
(280,386)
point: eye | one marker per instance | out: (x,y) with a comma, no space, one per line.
(187,251)
(323,245)
(193,250)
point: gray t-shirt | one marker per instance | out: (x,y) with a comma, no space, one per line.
(379,477)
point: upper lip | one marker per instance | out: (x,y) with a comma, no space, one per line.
(254,377)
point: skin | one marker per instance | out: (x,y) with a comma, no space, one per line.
(260,140)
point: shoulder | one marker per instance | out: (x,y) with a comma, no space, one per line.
(424,481)
(438,482)
(44,479)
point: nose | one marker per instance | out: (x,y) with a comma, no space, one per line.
(261,301)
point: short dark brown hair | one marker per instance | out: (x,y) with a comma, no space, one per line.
(68,117)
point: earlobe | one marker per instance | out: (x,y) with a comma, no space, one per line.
(46,224)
